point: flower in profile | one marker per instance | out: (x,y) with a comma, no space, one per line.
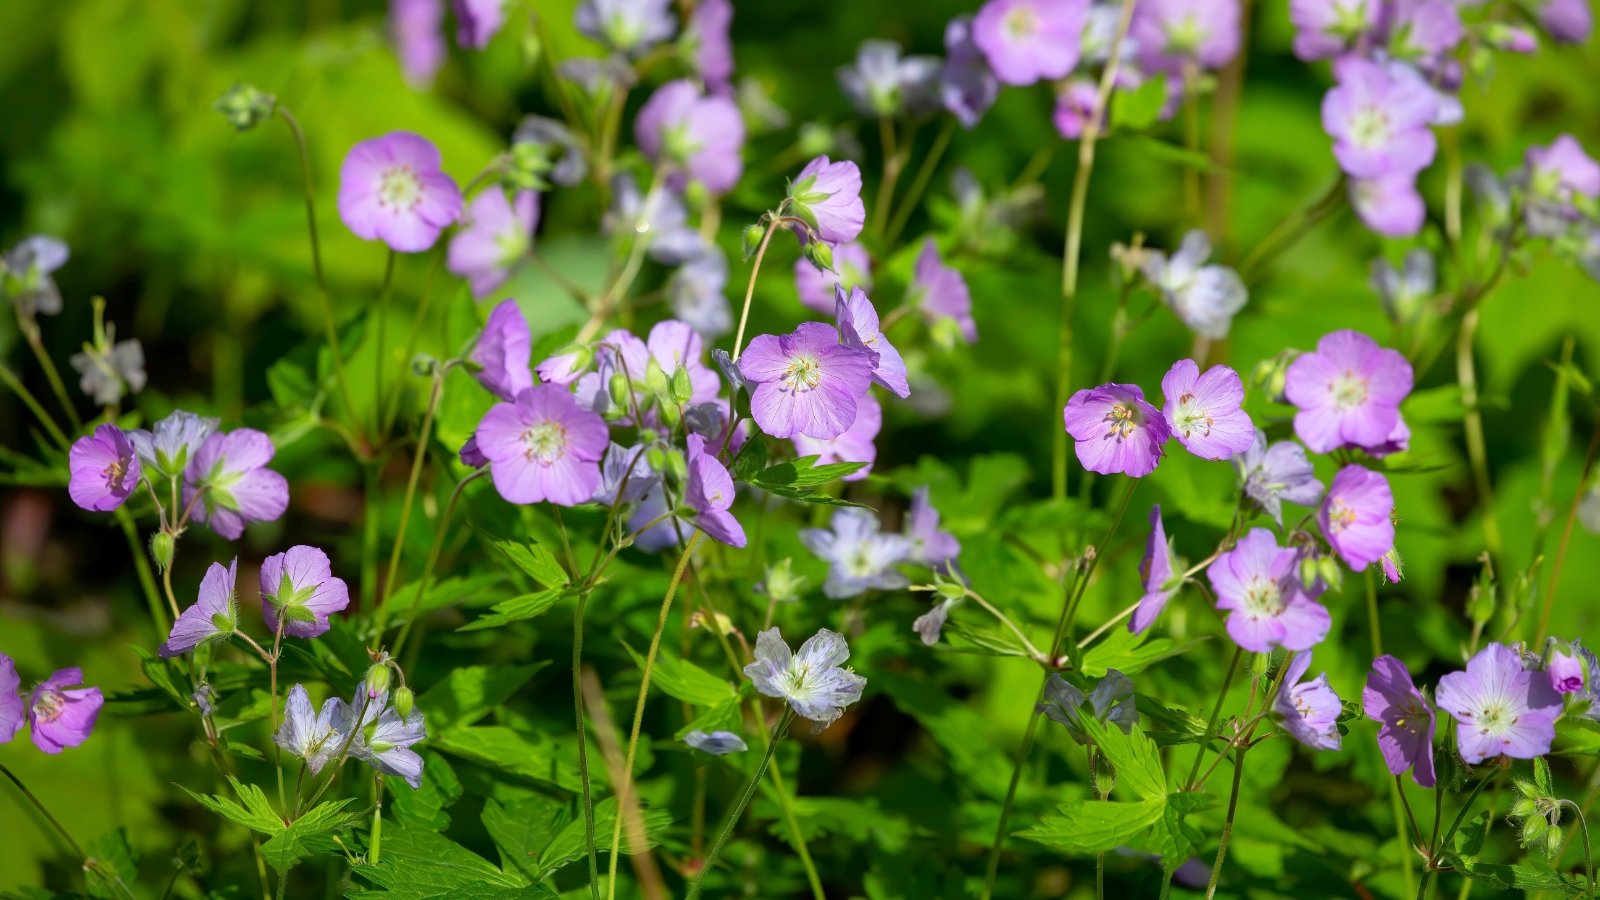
(1077,104)
(234,485)
(1389,204)
(883,83)
(806,382)
(812,681)
(858,328)
(856,444)
(1558,175)
(629,27)
(1308,710)
(104,469)
(1324,29)
(496,234)
(501,353)
(716,743)
(214,616)
(1171,34)
(12,712)
(701,136)
(827,195)
(1030,40)
(543,447)
(477,21)
(1203,410)
(1405,720)
(966,86)
(860,557)
(1258,582)
(417,29)
(1423,31)
(1115,430)
(698,294)
(1568,21)
(109,368)
(708,491)
(167,448)
(852,267)
(706,41)
(941,294)
(550,147)
(1566,672)
(1205,298)
(1357,516)
(1275,473)
(930,625)
(60,715)
(1159,573)
(1111,701)
(1379,122)
(299,589)
(1348,392)
(1405,291)
(928,544)
(383,737)
(311,734)
(26,272)
(391,189)
(1500,708)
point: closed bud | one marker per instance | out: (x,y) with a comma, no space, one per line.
(377,681)
(404,700)
(951,590)
(1105,778)
(1523,808)
(1533,830)
(676,465)
(1552,842)
(820,254)
(752,238)
(1259,663)
(245,107)
(162,547)
(1328,567)
(682,387)
(1308,571)
(671,414)
(617,388)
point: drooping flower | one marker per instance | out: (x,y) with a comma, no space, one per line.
(883,83)
(1405,291)
(827,195)
(553,145)
(1159,573)
(311,734)
(1205,298)
(706,41)
(1389,204)
(806,382)
(701,136)
(417,29)
(852,267)
(502,351)
(1172,34)
(1115,430)
(1500,708)
(1348,392)
(859,556)
(25,275)
(104,468)
(298,586)
(928,544)
(1391,566)
(1356,516)
(543,447)
(214,616)
(175,439)
(717,743)
(1202,410)
(1326,28)
(60,715)
(383,737)
(12,712)
(477,21)
(1077,104)
(1258,582)
(1271,475)
(930,625)
(1309,710)
(234,485)
(1030,40)
(698,294)
(858,328)
(626,471)
(1406,721)
(391,189)
(812,681)
(708,491)
(966,85)
(941,294)
(1379,122)
(495,235)
(1566,672)
(1111,701)
(856,444)
(629,27)
(110,369)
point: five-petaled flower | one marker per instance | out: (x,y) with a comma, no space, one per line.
(813,680)
(1501,709)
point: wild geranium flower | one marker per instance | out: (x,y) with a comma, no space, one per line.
(1591,680)
(1389,204)
(554,145)
(1379,123)
(234,485)
(1205,298)
(1159,573)
(627,26)
(717,743)
(383,737)
(1115,430)
(60,715)
(1566,672)
(1110,701)
(1203,410)
(856,444)
(626,470)
(496,234)
(860,557)
(298,587)
(12,714)
(1348,392)
(214,615)
(1273,474)
(543,447)
(25,275)
(708,491)
(1568,21)
(1357,516)
(477,21)
(1258,582)
(966,85)
(391,189)
(167,449)
(1405,720)
(657,218)
(852,268)
(1406,290)
(501,353)
(706,41)
(110,369)
(1558,175)
(417,29)
(941,294)
(311,734)
(882,82)
(1500,708)
(928,545)
(807,382)
(812,681)
(1309,710)
(1324,29)
(1077,104)
(104,469)
(1423,31)
(858,328)
(698,292)
(827,195)
(1170,34)
(930,625)
(671,345)
(701,136)
(1030,40)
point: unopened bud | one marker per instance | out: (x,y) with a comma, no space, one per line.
(820,254)
(655,378)
(162,548)
(1308,571)
(1332,574)
(752,238)
(404,700)
(377,681)
(245,107)
(682,386)
(617,387)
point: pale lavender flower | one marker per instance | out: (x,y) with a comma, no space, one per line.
(1327,28)
(928,544)
(966,85)
(884,83)
(60,715)
(1348,392)
(626,470)
(1258,582)
(502,351)
(671,345)
(1204,297)
(1568,21)
(1379,122)
(1404,292)
(298,586)
(477,21)
(543,447)
(1203,410)
(12,712)
(701,137)
(1077,104)
(383,737)
(812,681)
(717,743)
(939,291)
(1273,474)
(1172,33)
(1030,40)
(1557,176)
(854,445)
(859,556)
(627,26)
(706,40)
(391,189)
(827,195)
(214,615)
(108,370)
(1110,701)
(1423,31)
(234,485)
(708,492)
(311,734)
(806,382)
(1405,720)
(1309,710)
(852,268)
(1115,430)
(496,234)
(858,328)
(1500,708)
(657,218)
(417,29)
(930,625)
(698,294)
(175,439)
(1159,574)
(1390,204)
(659,536)
(104,469)
(1356,516)
(552,142)
(25,275)
(1566,672)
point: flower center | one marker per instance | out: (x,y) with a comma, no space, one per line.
(114,474)
(1494,718)
(1340,516)
(1263,597)
(861,563)
(804,372)
(1121,421)
(545,443)
(1021,23)
(1349,390)
(794,680)
(1191,418)
(1369,128)
(401,188)
(47,705)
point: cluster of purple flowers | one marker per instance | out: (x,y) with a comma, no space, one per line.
(57,714)
(373,727)
(1117,431)
(1557,191)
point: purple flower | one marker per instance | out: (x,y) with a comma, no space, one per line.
(391,189)
(941,294)
(1116,430)
(310,734)
(705,37)
(495,235)
(543,447)
(1348,392)
(966,85)
(298,585)
(383,737)
(1566,673)
(1500,708)
(1111,700)
(708,491)
(1389,205)
(854,445)
(806,382)
(1561,170)
(928,545)
(626,470)
(62,716)
(859,556)
(672,345)
(470,455)
(1423,30)
(930,625)
(104,469)
(701,136)
(1077,104)
(657,218)
(1406,721)
(1379,122)
(25,275)
(1355,516)
(813,681)
(828,196)
(858,328)
(229,473)
(1170,33)
(1326,28)
(12,713)
(1205,297)
(214,615)
(1390,564)
(1030,40)
(502,351)
(1258,581)
(417,29)
(1203,410)
(882,83)
(1405,291)
(1271,475)
(852,267)
(1158,573)
(1309,710)
(1568,21)
(552,141)
(627,26)
(110,368)
(717,743)
(167,450)
(477,21)
(698,293)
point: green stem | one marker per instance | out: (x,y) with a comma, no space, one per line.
(1372,614)
(583,744)
(1227,823)
(384,295)
(1191,140)
(1435,854)
(892,163)
(141,565)
(369,535)
(1402,815)
(1216,716)
(441,530)
(750,290)
(411,483)
(1477,453)
(1293,227)
(375,853)
(39,805)
(32,402)
(920,182)
(52,374)
(1566,535)
(778,732)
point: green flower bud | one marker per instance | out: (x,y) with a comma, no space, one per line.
(1552,842)
(820,254)
(404,700)
(1105,778)
(1308,571)
(675,464)
(752,239)
(655,378)
(780,583)
(1330,570)
(657,458)
(162,548)
(1523,808)
(1533,829)
(618,389)
(682,387)
(245,107)
(377,681)
(951,590)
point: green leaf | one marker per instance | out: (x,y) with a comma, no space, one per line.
(420,864)
(568,844)
(254,812)
(1131,653)
(116,865)
(751,460)
(804,472)
(1135,757)
(722,717)
(517,609)
(425,807)
(288,847)
(1140,107)
(980,640)
(161,674)
(1467,842)
(1093,826)
(526,755)
(539,563)
(469,693)
(683,680)
(1577,736)
(523,827)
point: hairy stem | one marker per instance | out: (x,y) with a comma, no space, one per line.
(1227,823)
(750,291)
(411,483)
(778,732)
(1216,716)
